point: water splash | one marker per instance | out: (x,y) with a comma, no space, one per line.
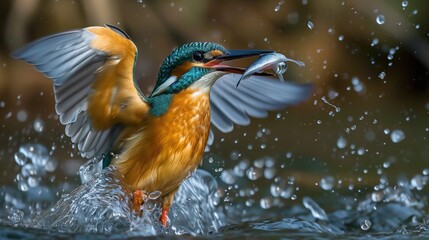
(195,208)
(337,109)
(315,209)
(104,205)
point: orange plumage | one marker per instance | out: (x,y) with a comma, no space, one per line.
(167,149)
(114,87)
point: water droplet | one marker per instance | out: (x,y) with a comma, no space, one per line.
(32,182)
(418,182)
(249,202)
(377,196)
(374,42)
(277,8)
(397,135)
(51,165)
(357,84)
(269,173)
(254,173)
(22,186)
(287,193)
(341,142)
(341,38)
(327,183)
(310,25)
(20,158)
(269,162)
(22,116)
(29,170)
(275,190)
(365,225)
(38,125)
(266,202)
(155,195)
(382,75)
(227,176)
(259,163)
(404,4)
(380,19)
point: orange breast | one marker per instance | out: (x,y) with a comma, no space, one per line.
(168,148)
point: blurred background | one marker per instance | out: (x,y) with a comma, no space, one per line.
(368,60)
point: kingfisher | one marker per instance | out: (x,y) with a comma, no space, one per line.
(157,140)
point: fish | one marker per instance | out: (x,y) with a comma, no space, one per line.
(275,61)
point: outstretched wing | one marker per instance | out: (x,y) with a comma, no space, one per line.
(254,97)
(95,90)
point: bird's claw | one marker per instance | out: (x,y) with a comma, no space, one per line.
(137,200)
(164,217)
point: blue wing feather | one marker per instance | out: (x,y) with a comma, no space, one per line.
(254,97)
(70,61)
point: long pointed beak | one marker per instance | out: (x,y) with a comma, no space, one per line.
(236,54)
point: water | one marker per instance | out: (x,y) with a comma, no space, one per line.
(310,25)
(397,135)
(380,19)
(204,207)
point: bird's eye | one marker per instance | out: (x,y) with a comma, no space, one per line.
(198,56)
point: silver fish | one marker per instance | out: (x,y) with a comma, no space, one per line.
(275,61)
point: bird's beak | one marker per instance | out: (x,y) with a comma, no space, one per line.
(236,54)
(216,63)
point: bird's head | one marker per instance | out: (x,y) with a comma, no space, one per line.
(197,64)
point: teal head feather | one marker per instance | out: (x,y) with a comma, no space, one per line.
(196,52)
(186,53)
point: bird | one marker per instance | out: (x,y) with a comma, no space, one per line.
(158,140)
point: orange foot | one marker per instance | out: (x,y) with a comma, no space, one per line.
(137,200)
(164,217)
